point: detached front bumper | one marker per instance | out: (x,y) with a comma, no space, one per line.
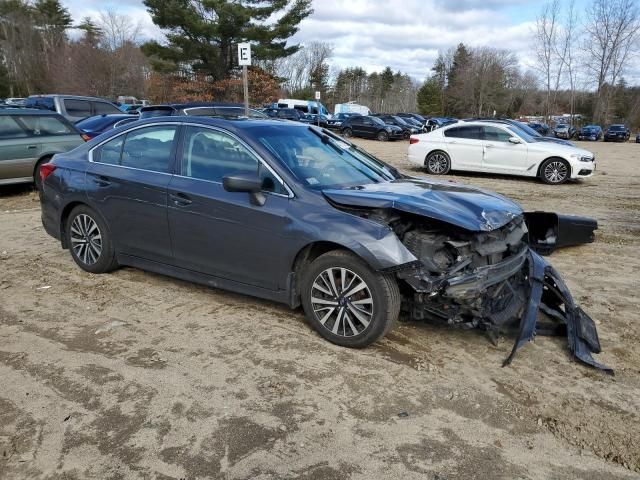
(507,294)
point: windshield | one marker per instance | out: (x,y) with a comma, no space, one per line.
(521,133)
(319,159)
(529,131)
(400,121)
(562,127)
(616,128)
(377,120)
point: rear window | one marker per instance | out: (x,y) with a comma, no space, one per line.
(9,128)
(473,133)
(43,103)
(77,108)
(105,108)
(40,125)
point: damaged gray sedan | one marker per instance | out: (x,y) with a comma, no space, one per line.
(295,214)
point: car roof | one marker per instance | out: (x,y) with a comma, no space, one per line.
(230,124)
(74,97)
(28,111)
(179,106)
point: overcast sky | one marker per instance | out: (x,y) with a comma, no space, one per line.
(403,34)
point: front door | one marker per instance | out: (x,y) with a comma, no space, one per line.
(127,179)
(500,154)
(223,233)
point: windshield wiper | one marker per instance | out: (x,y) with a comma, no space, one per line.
(326,140)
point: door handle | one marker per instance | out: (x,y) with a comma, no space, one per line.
(488,146)
(180,199)
(31,147)
(102,181)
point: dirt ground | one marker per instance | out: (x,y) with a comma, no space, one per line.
(132,375)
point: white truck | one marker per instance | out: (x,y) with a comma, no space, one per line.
(351,107)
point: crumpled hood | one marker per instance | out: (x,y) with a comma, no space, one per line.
(461,205)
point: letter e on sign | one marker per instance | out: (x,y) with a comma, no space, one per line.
(244,54)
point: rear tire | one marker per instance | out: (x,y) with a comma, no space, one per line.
(347,302)
(89,241)
(555,171)
(438,163)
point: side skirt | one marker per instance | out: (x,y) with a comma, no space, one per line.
(280,296)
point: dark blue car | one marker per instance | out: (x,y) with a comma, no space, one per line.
(590,132)
(295,214)
(93,126)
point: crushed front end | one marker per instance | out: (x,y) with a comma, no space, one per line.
(490,280)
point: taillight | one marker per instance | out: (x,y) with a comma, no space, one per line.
(85,137)
(46,169)
(413,140)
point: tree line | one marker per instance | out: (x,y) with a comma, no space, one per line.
(579,68)
(580,60)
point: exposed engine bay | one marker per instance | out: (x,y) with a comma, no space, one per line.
(491,280)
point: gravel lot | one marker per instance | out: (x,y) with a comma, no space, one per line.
(137,376)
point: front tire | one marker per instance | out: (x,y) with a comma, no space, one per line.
(555,171)
(383,136)
(347,132)
(438,163)
(89,241)
(347,302)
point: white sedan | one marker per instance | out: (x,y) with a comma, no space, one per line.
(498,148)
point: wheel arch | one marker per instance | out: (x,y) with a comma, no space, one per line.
(64,217)
(554,157)
(436,150)
(43,158)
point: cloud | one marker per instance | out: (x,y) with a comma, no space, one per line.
(403,34)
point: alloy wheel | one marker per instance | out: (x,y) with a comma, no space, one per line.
(86,239)
(437,163)
(342,302)
(555,172)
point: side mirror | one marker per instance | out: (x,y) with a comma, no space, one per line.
(514,140)
(249,183)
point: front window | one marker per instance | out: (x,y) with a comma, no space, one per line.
(212,155)
(320,160)
(616,128)
(77,108)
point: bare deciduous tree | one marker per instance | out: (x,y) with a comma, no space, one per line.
(547,35)
(612,30)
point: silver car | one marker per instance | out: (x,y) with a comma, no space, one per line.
(28,139)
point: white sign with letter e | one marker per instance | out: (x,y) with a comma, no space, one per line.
(317,95)
(244,54)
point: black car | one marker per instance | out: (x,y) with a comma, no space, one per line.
(204,109)
(638,137)
(291,114)
(295,214)
(320,120)
(336,121)
(415,116)
(367,126)
(407,128)
(93,126)
(617,133)
(526,127)
(434,123)
(590,132)
(541,128)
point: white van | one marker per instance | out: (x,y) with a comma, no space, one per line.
(305,106)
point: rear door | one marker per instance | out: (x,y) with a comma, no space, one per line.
(465,147)
(127,179)
(500,155)
(18,150)
(52,133)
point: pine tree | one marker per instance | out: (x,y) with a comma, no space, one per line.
(429,98)
(203,35)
